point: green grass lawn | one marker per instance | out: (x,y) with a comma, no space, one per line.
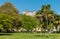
(29,36)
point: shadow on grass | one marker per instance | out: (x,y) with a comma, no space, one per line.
(42,35)
(5,34)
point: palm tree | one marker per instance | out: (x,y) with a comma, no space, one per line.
(57,21)
(47,15)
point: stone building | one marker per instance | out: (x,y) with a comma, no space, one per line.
(29,13)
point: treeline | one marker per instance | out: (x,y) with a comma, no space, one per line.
(12,21)
(49,20)
(45,20)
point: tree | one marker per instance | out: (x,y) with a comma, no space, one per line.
(8,8)
(5,22)
(10,17)
(16,21)
(47,15)
(29,22)
(57,21)
(10,22)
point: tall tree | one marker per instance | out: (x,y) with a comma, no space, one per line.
(8,8)
(29,22)
(47,15)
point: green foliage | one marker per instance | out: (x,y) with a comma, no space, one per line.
(11,19)
(5,20)
(29,22)
(50,26)
(16,20)
(47,15)
(1,26)
(8,8)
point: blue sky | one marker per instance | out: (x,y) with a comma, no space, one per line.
(33,5)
